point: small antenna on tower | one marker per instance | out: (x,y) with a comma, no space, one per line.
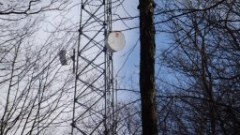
(63,57)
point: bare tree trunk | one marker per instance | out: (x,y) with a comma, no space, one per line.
(147,62)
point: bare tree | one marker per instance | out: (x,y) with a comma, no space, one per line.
(147,70)
(31,92)
(205,55)
(128,118)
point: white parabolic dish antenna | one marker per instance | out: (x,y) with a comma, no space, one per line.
(116,41)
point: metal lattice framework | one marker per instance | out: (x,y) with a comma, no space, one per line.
(93,108)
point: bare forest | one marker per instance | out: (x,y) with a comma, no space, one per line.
(179,73)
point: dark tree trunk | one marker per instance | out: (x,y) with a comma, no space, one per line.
(147,63)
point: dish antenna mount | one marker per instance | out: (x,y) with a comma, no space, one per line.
(94,92)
